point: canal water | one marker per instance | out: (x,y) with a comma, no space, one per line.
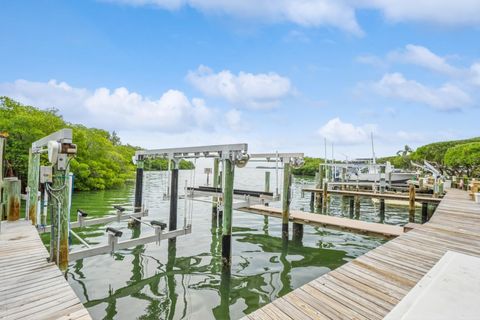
(185,280)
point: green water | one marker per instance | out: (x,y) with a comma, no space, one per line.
(185,280)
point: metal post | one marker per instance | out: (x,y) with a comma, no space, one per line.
(139,186)
(424,212)
(33,179)
(286,198)
(12,187)
(411,203)
(172,224)
(229,170)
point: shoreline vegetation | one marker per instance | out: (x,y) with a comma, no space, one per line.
(103,162)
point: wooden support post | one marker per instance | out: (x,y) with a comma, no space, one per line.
(60,215)
(352,205)
(2,150)
(318,195)
(33,179)
(382,210)
(325,194)
(12,187)
(229,168)
(357,207)
(297,232)
(215,185)
(344,174)
(424,212)
(411,203)
(286,199)
(267,181)
(172,222)
(312,199)
(138,186)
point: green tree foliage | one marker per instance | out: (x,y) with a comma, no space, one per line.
(464,159)
(435,153)
(309,168)
(162,164)
(102,161)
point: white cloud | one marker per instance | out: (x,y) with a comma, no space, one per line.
(262,90)
(307,13)
(113,109)
(446,97)
(340,14)
(475,73)
(423,57)
(442,12)
(235,120)
(345,133)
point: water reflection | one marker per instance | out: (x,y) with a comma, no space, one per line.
(184,278)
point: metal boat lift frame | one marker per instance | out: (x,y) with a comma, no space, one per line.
(230,154)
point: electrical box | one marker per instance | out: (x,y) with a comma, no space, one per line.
(46,174)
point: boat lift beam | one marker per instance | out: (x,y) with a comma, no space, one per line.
(82,222)
(223,151)
(114,245)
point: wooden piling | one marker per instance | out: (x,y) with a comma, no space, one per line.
(357,207)
(297,232)
(325,194)
(215,185)
(267,181)
(382,210)
(318,196)
(424,212)
(352,205)
(286,199)
(139,186)
(2,150)
(229,168)
(12,187)
(33,180)
(411,203)
(172,222)
(61,213)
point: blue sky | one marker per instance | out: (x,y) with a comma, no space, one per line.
(280,75)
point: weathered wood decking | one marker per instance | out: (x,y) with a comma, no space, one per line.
(320,220)
(371,285)
(387,195)
(30,286)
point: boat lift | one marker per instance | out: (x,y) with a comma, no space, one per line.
(230,154)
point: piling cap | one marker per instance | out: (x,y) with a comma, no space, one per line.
(3,134)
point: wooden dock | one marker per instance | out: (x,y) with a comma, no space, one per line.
(30,286)
(320,220)
(386,195)
(370,286)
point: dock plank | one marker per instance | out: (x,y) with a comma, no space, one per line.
(371,285)
(345,224)
(30,286)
